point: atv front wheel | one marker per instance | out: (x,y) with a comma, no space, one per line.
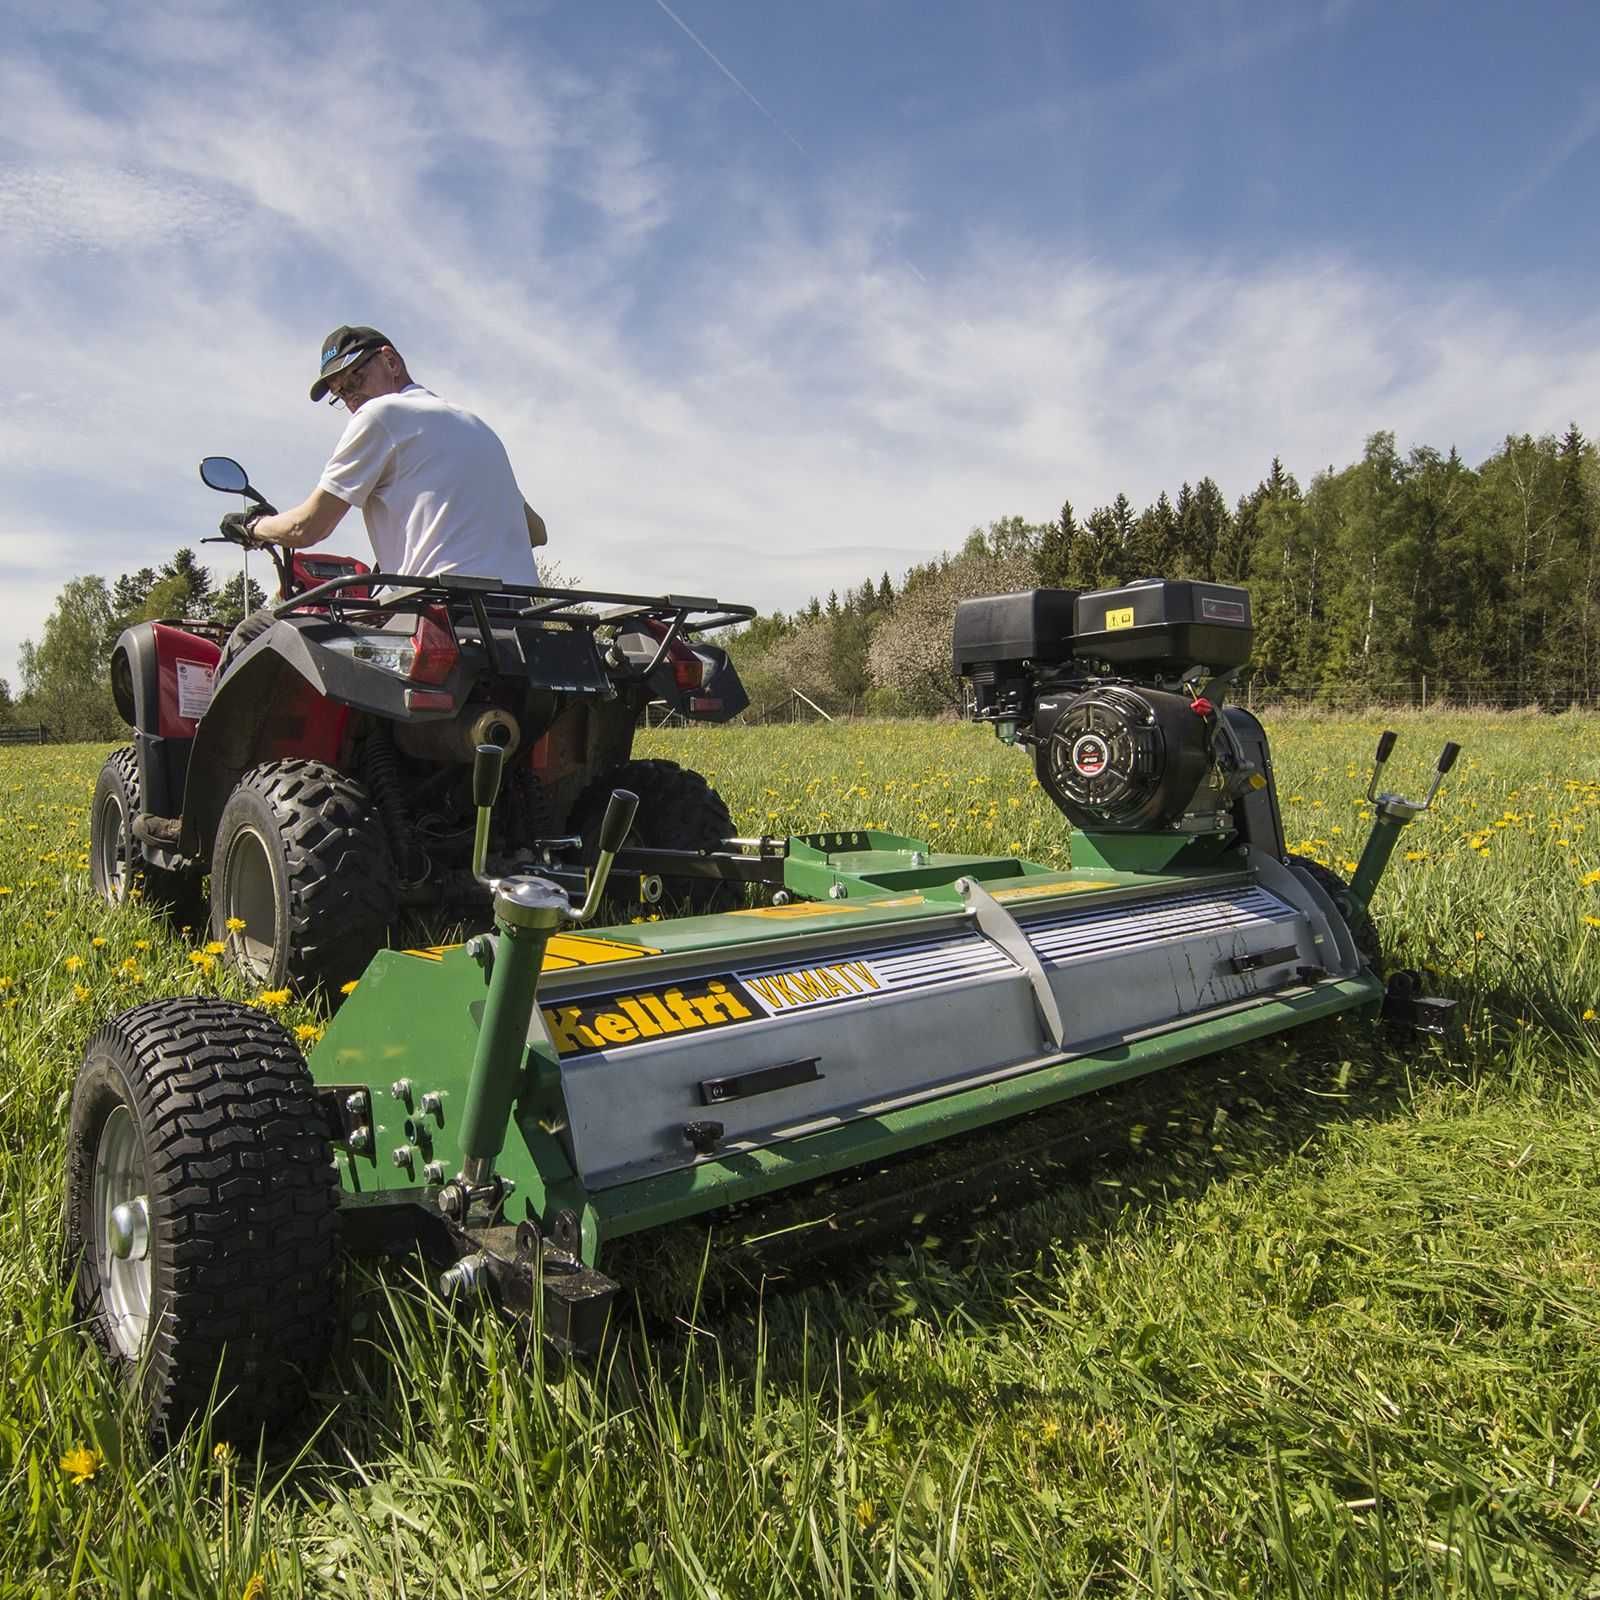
(678,810)
(1362,928)
(302,883)
(118,870)
(202,1212)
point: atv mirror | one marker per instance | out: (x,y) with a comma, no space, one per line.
(224,473)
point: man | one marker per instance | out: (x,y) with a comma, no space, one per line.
(433,481)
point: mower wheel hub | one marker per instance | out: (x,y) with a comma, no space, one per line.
(128,1233)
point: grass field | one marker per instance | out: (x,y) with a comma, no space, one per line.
(1326,1322)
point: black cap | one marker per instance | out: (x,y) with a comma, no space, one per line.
(342,348)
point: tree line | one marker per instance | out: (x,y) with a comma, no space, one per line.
(1398,570)
(65,679)
(1398,573)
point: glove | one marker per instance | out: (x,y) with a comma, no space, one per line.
(240,525)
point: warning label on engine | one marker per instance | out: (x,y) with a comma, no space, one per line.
(194,688)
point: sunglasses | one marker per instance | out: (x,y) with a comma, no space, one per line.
(343,383)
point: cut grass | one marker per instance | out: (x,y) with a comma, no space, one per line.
(1322,1323)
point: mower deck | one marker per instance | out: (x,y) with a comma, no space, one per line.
(679,1067)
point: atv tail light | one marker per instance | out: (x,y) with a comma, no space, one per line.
(434,648)
(428,656)
(688,669)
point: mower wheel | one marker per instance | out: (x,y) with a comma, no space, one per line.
(1362,928)
(118,870)
(678,810)
(201,1213)
(300,860)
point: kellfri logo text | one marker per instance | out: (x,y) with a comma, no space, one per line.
(609,1021)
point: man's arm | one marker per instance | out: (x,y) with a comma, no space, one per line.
(308,523)
(537,537)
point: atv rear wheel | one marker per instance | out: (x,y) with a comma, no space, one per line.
(678,810)
(118,870)
(202,1212)
(302,883)
(1362,928)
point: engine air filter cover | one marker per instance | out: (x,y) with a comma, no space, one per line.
(1119,757)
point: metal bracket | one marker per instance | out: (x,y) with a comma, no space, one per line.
(1406,1006)
(998,926)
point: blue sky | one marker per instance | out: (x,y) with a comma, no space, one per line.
(768,297)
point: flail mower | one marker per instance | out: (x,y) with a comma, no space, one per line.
(513,1105)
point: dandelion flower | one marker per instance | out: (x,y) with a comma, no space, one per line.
(272,997)
(308,1033)
(72,963)
(198,958)
(1588,1014)
(4,890)
(235,924)
(81,1464)
(1591,922)
(349,988)
(866,1514)
(5,983)
(80,991)
(98,942)
(215,948)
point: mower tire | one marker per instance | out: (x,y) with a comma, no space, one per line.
(1362,928)
(301,861)
(202,1214)
(678,810)
(118,870)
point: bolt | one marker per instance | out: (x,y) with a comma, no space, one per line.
(508,1185)
(434,1172)
(360,1139)
(452,1200)
(919,858)
(781,897)
(837,892)
(466,1276)
(404,1155)
(432,1105)
(401,1090)
(356,1104)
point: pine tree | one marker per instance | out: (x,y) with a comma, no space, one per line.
(1056,546)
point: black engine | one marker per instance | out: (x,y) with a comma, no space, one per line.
(1118,692)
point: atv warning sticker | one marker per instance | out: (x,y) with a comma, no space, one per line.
(194,688)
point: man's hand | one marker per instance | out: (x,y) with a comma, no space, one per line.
(240,526)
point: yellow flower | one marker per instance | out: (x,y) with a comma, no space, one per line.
(198,958)
(80,991)
(215,948)
(1349,866)
(1416,855)
(1049,1429)
(72,963)
(1591,922)
(141,944)
(81,1464)
(130,967)
(1588,1014)
(866,1514)
(255,1589)
(223,1454)
(4,890)
(1589,879)
(308,1033)
(349,988)
(272,997)
(98,942)
(5,983)
(235,924)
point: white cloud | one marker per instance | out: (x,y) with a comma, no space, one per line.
(707,383)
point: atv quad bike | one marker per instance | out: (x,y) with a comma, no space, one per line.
(514,1105)
(321,769)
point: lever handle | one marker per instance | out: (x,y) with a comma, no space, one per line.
(487,765)
(613,830)
(1447,756)
(1386,741)
(618,819)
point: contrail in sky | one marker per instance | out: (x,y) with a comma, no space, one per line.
(711,56)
